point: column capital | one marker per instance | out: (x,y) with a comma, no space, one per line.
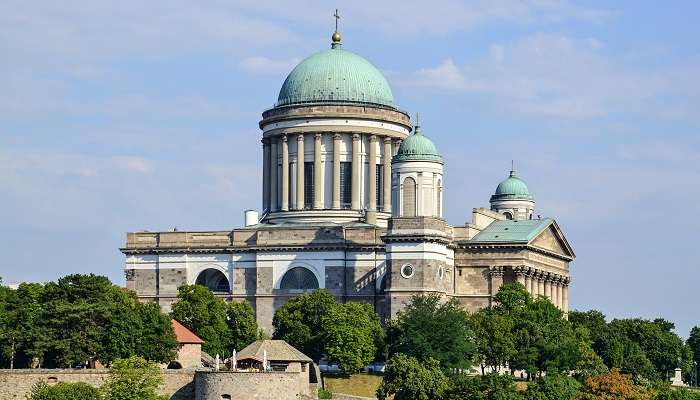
(317,136)
(265,141)
(520,270)
(387,139)
(373,138)
(355,136)
(337,136)
(284,138)
(496,271)
(300,137)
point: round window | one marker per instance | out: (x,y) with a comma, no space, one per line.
(407,270)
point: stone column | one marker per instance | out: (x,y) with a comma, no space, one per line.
(548,286)
(318,173)
(300,172)
(356,171)
(528,282)
(386,206)
(372,184)
(496,274)
(555,286)
(273,175)
(533,282)
(560,286)
(266,175)
(336,170)
(285,174)
(520,274)
(540,283)
(565,298)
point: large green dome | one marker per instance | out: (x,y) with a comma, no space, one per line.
(335,75)
(513,188)
(417,147)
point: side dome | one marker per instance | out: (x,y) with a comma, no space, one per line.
(417,147)
(513,188)
(335,75)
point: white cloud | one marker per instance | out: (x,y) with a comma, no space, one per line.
(264,65)
(555,75)
(133,164)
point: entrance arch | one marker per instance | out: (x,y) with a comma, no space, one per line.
(214,279)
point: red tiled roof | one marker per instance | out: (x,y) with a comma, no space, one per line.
(185,335)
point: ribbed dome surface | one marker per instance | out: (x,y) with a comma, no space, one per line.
(335,75)
(513,187)
(417,147)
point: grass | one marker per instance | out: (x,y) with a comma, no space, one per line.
(364,385)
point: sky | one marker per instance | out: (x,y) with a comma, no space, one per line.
(123,116)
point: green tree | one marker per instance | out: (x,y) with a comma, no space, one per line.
(350,334)
(76,312)
(156,341)
(668,393)
(23,338)
(594,321)
(408,379)
(488,387)
(553,386)
(64,391)
(494,338)
(133,378)
(693,343)
(240,318)
(204,314)
(300,322)
(430,328)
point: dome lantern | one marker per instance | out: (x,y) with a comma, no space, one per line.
(512,198)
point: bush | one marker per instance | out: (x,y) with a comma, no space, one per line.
(324,394)
(553,387)
(65,391)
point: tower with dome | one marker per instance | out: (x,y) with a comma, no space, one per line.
(353,202)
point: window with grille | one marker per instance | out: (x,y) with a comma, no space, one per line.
(380,192)
(299,278)
(345,184)
(308,184)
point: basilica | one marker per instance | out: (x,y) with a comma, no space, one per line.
(352,202)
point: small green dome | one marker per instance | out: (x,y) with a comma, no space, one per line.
(335,75)
(417,147)
(512,188)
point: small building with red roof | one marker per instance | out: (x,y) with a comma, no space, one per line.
(189,351)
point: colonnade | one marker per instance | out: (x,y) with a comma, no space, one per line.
(276,198)
(537,282)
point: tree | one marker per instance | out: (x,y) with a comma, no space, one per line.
(612,386)
(553,386)
(693,343)
(488,387)
(428,328)
(204,314)
(594,321)
(350,334)
(493,332)
(156,340)
(408,379)
(133,378)
(64,391)
(300,322)
(23,338)
(667,393)
(240,318)
(76,312)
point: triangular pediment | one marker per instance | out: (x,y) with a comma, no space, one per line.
(552,239)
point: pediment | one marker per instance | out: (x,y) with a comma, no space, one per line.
(552,239)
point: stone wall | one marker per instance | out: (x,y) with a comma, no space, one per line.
(16,384)
(178,385)
(252,385)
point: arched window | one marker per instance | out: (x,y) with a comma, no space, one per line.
(438,206)
(508,215)
(299,278)
(214,279)
(409,197)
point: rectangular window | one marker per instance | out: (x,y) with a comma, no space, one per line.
(380,174)
(345,184)
(308,184)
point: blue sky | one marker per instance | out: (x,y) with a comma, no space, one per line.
(124,116)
